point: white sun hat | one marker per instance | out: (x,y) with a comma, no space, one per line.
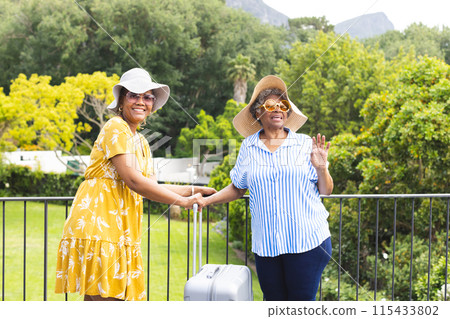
(138,80)
(244,122)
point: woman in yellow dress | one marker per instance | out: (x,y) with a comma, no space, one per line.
(99,255)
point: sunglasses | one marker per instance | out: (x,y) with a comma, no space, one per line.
(271,105)
(148,99)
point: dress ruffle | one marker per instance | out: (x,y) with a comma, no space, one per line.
(96,267)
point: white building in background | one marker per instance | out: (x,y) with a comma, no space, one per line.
(174,170)
(46,161)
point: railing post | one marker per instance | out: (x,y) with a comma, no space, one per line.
(340,249)
(3,251)
(24,249)
(393,248)
(376,249)
(359,247)
(45,247)
(246,231)
(446,251)
(207,234)
(168,253)
(188,241)
(429,246)
(411,254)
(66,215)
(228,232)
(148,250)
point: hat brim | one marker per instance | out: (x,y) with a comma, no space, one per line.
(244,122)
(161,92)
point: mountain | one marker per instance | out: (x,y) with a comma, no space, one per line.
(260,10)
(365,26)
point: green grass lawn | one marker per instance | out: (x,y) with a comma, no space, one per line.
(158,230)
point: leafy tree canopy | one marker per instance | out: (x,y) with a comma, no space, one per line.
(404,144)
(329,79)
(305,29)
(184,44)
(422,39)
(55,116)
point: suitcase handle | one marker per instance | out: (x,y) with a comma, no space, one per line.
(212,273)
(194,266)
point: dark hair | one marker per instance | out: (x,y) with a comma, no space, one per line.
(123,92)
(262,96)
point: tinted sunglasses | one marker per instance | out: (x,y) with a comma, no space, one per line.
(148,99)
(271,105)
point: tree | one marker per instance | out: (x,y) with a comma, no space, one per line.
(408,133)
(211,133)
(184,44)
(64,117)
(306,28)
(402,148)
(240,70)
(42,37)
(92,112)
(37,113)
(222,131)
(329,79)
(421,39)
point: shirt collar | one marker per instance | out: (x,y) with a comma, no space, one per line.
(291,140)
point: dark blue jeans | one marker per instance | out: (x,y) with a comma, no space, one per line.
(293,276)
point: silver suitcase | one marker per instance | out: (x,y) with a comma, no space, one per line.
(216,282)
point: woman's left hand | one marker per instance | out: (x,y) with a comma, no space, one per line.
(319,154)
(205,190)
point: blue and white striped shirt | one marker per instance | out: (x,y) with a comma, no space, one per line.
(287,213)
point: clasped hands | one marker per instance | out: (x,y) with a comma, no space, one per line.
(197,198)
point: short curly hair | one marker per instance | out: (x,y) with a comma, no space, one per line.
(262,96)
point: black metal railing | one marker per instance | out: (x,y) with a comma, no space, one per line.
(328,201)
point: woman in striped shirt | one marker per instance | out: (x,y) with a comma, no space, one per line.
(285,174)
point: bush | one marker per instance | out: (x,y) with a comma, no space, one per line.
(16,181)
(437,282)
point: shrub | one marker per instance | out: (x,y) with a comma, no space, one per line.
(22,181)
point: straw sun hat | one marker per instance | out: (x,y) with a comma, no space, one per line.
(138,80)
(244,122)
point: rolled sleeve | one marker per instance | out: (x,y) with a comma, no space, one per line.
(118,139)
(239,173)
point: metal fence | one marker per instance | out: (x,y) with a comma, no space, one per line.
(339,224)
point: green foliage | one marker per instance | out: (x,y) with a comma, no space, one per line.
(409,132)
(404,145)
(154,241)
(402,148)
(20,181)
(418,37)
(65,116)
(306,28)
(220,178)
(240,70)
(329,79)
(38,113)
(220,128)
(437,282)
(181,43)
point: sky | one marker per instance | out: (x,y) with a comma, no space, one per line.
(401,13)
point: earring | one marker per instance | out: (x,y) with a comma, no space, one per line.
(120,109)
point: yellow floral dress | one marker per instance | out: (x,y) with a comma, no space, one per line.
(99,253)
